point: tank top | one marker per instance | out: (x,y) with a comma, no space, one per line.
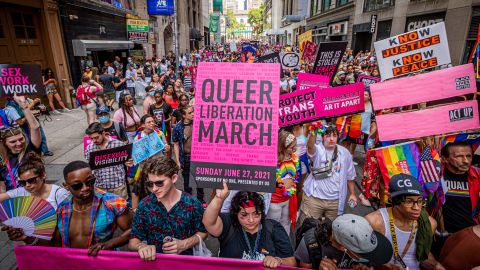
(402,238)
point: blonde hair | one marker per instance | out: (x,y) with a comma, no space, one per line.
(4,150)
(282,139)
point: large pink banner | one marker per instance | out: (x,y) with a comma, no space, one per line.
(235,126)
(307,80)
(315,103)
(435,85)
(439,120)
(48,258)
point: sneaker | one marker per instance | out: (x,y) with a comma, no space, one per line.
(48,154)
(66,110)
(56,112)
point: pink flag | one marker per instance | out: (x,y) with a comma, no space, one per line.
(434,121)
(307,80)
(48,258)
(435,85)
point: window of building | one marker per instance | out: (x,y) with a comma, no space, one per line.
(313,7)
(326,5)
(23,25)
(241,21)
(371,5)
(342,2)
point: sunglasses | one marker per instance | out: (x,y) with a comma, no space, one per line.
(158,184)
(89,183)
(30,181)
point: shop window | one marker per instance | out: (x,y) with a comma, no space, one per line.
(2,34)
(342,2)
(371,5)
(326,5)
(23,25)
(313,7)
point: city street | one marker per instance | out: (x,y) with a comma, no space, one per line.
(65,138)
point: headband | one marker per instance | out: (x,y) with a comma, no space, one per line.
(248,204)
(290,138)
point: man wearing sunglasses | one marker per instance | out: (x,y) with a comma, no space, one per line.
(168,220)
(88,218)
(407,225)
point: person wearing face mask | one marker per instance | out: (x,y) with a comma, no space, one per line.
(32,180)
(245,232)
(149,99)
(131,77)
(116,130)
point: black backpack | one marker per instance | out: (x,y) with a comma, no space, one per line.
(309,231)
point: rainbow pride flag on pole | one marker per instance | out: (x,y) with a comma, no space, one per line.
(400,158)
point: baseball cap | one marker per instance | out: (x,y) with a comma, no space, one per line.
(355,234)
(102,109)
(341,73)
(404,184)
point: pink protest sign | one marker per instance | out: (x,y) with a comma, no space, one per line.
(235,126)
(315,103)
(307,80)
(73,258)
(435,85)
(367,80)
(439,120)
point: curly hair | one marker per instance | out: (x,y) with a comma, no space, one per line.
(160,165)
(242,197)
(32,162)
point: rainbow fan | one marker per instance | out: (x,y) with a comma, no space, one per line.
(34,215)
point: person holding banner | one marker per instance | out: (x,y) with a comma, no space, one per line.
(86,219)
(332,173)
(113,178)
(283,207)
(168,220)
(14,145)
(245,232)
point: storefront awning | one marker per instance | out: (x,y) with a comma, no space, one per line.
(275,32)
(195,34)
(81,46)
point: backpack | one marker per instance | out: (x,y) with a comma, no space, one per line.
(82,96)
(308,231)
(119,131)
(3,119)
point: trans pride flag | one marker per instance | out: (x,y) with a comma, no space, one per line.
(400,158)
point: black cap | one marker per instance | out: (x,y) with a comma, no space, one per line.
(404,184)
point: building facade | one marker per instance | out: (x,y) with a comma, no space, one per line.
(30,33)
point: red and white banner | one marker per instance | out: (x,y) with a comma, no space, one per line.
(48,258)
(434,121)
(435,85)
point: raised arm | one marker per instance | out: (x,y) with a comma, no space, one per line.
(211,218)
(33,124)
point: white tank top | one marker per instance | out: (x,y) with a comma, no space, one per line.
(402,238)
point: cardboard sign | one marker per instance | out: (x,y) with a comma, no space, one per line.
(25,80)
(290,60)
(435,85)
(329,56)
(110,157)
(146,147)
(413,51)
(315,103)
(308,54)
(235,126)
(76,258)
(434,121)
(367,80)
(247,47)
(307,80)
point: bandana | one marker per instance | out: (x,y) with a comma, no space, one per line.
(248,204)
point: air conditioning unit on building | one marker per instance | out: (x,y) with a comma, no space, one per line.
(338,29)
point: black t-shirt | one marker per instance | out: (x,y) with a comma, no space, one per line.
(14,164)
(326,250)
(162,113)
(457,210)
(121,87)
(120,134)
(177,114)
(274,240)
(107,82)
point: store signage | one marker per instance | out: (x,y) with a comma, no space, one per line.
(373,23)
(415,22)
(160,7)
(137,30)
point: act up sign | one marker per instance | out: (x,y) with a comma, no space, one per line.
(413,51)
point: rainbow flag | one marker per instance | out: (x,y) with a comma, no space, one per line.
(472,138)
(400,158)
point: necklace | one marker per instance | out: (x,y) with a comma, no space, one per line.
(79,211)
